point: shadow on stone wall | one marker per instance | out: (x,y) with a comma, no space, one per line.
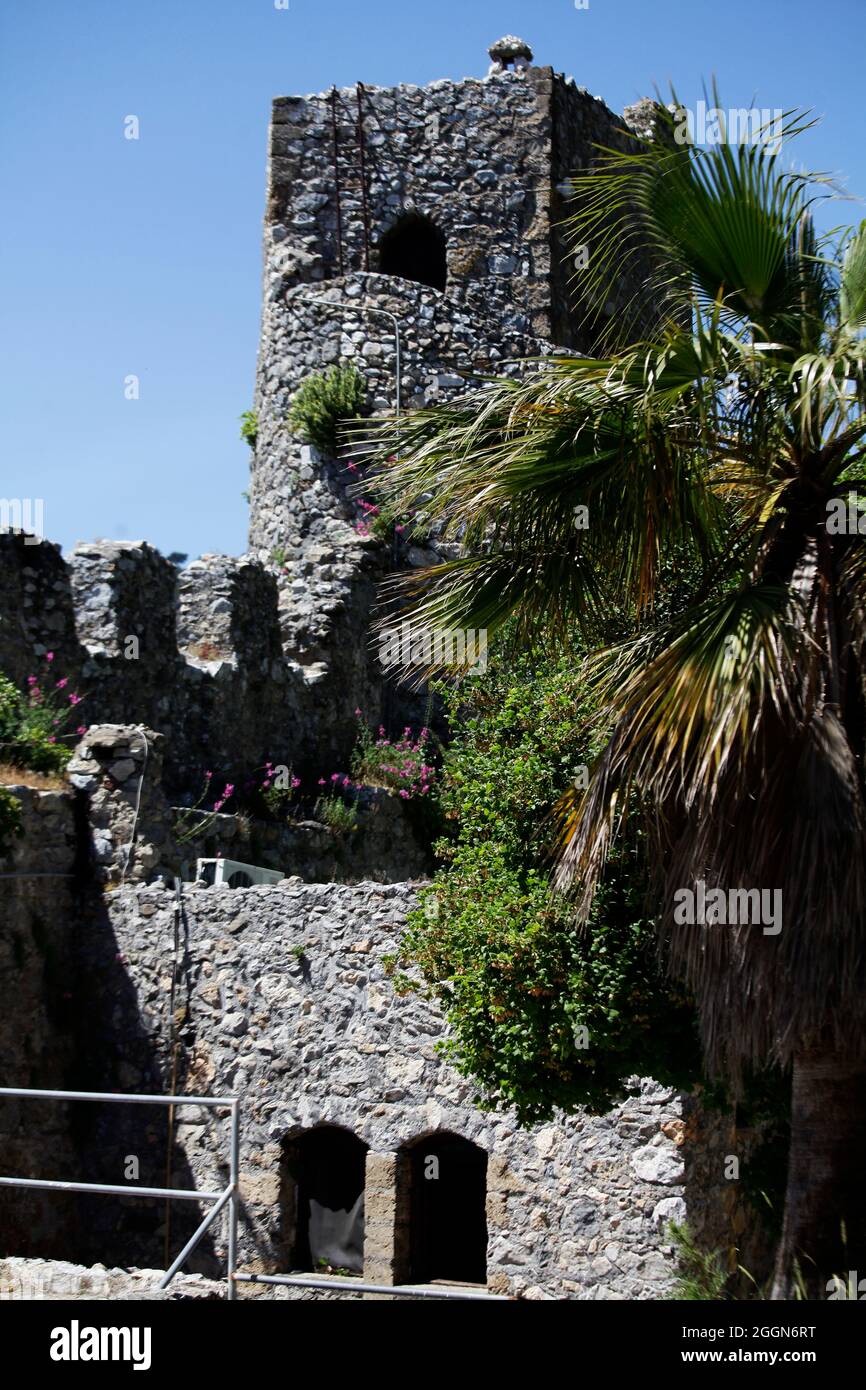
(70,1020)
(119,1050)
(720,1215)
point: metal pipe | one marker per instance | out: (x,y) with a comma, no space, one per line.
(52,1184)
(214,1101)
(337,178)
(234,1153)
(364,211)
(195,1238)
(357,1286)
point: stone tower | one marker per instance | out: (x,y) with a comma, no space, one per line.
(420,219)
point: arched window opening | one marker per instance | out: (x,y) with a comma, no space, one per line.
(328,1166)
(414,248)
(447,1211)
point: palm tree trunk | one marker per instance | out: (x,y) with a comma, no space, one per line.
(824,1226)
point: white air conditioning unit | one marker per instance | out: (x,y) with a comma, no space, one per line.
(229,873)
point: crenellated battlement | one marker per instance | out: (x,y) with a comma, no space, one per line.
(195,654)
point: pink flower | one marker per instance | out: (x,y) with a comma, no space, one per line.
(82,729)
(229,788)
(357,714)
(75,699)
(352,467)
(218,805)
(346,782)
(404,794)
(31,680)
(322,782)
(399,530)
(266,784)
(424,789)
(49,656)
(60,684)
(335,776)
(52,739)
(296,782)
(208,775)
(381,730)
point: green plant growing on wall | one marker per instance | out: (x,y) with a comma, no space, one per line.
(32,726)
(195,821)
(250,427)
(338,815)
(403,765)
(700,1273)
(10,819)
(322,401)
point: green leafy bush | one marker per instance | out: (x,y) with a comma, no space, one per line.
(542,1014)
(322,401)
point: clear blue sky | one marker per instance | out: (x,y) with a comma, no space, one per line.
(143,257)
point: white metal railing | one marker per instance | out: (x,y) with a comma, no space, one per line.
(228,1196)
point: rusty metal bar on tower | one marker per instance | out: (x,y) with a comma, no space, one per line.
(359,92)
(337,179)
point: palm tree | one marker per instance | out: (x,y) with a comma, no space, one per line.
(720,452)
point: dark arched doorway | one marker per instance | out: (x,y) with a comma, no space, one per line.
(328,1168)
(447,1210)
(414,248)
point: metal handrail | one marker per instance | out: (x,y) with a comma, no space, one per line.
(229,1194)
(308,1281)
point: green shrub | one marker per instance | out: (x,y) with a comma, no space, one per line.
(322,401)
(543,1014)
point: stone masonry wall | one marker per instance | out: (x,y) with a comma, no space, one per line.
(279,995)
(286,1003)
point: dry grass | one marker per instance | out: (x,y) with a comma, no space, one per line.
(12,776)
